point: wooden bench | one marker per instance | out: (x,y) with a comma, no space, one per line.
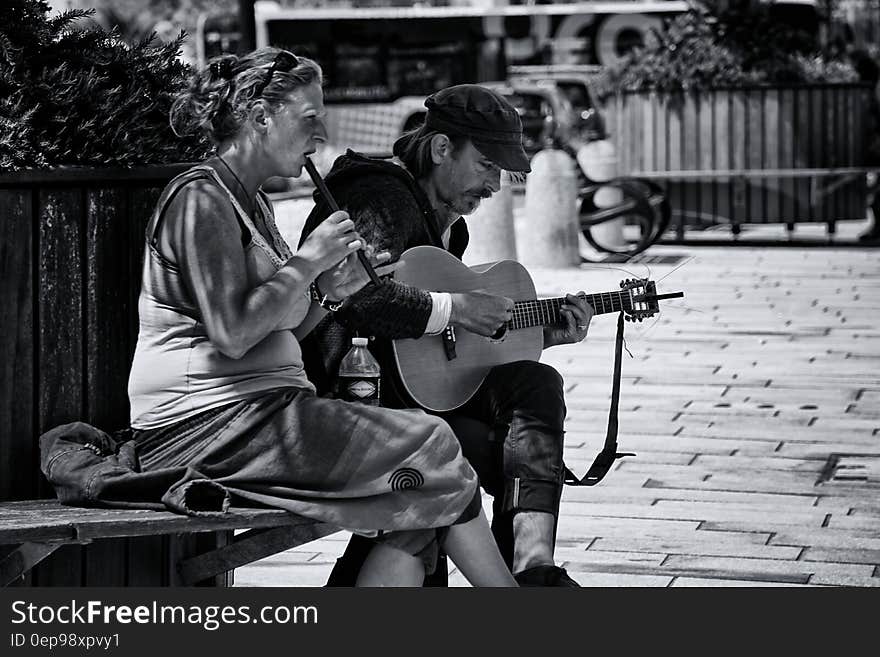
(35,529)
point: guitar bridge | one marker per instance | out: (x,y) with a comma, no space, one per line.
(449,343)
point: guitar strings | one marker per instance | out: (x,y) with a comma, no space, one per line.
(685,307)
(647,273)
(538,309)
(679,266)
(547,311)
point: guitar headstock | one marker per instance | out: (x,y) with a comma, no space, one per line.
(643,299)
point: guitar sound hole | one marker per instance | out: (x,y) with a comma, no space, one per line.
(499,335)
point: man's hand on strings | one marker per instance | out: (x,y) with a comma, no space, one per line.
(576,315)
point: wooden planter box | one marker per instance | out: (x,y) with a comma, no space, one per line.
(71,249)
(749,155)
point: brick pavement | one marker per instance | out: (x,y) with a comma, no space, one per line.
(736,400)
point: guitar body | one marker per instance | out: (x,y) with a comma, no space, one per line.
(435,382)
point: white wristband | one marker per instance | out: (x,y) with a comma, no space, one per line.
(441,310)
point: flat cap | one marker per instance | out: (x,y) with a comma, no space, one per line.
(491,123)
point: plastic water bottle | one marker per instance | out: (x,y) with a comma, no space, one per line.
(359,375)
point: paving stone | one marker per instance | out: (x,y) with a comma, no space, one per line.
(622,557)
(816,572)
(641,421)
(725,417)
(824,449)
(855,522)
(579,528)
(847,423)
(776,431)
(763,528)
(616,479)
(609,580)
(328,558)
(705,582)
(756,463)
(775,394)
(688,444)
(303,554)
(856,506)
(871,508)
(702,571)
(871,398)
(650,496)
(301,575)
(582,457)
(749,410)
(727,468)
(843,555)
(687,545)
(845,580)
(763,485)
(698,511)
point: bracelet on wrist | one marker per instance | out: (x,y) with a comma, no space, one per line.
(322,299)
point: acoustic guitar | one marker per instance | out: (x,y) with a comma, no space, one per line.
(441,372)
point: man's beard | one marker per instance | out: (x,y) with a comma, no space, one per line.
(469,202)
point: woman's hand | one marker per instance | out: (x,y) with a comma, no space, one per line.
(349,276)
(331,242)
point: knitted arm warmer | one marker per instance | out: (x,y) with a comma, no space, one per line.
(388,217)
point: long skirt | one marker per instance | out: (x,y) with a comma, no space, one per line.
(398,475)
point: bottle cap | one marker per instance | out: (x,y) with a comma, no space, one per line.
(359,342)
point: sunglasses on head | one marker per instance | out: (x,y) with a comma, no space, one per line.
(284,62)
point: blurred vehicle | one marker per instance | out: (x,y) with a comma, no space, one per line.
(575,82)
(548,118)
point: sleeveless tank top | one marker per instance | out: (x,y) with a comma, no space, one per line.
(177,372)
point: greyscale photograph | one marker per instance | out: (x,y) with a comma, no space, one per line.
(439,293)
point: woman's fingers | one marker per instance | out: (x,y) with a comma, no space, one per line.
(338,217)
(387,269)
(377,258)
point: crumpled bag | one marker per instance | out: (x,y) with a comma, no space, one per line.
(87,467)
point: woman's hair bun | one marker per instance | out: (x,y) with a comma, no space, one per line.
(221,69)
(217,99)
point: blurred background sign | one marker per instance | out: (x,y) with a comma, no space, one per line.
(215,35)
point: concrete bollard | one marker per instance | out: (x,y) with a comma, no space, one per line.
(491,231)
(547,228)
(598,161)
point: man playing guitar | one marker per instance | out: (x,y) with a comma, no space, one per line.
(450,163)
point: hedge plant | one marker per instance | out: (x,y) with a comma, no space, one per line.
(73,94)
(707,48)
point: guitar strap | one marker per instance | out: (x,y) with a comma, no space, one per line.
(609,452)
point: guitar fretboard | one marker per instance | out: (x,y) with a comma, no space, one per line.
(546,312)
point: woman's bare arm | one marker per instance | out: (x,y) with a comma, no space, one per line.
(205,239)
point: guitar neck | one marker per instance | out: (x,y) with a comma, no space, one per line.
(546,312)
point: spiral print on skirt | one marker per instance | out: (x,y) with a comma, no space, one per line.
(406,479)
